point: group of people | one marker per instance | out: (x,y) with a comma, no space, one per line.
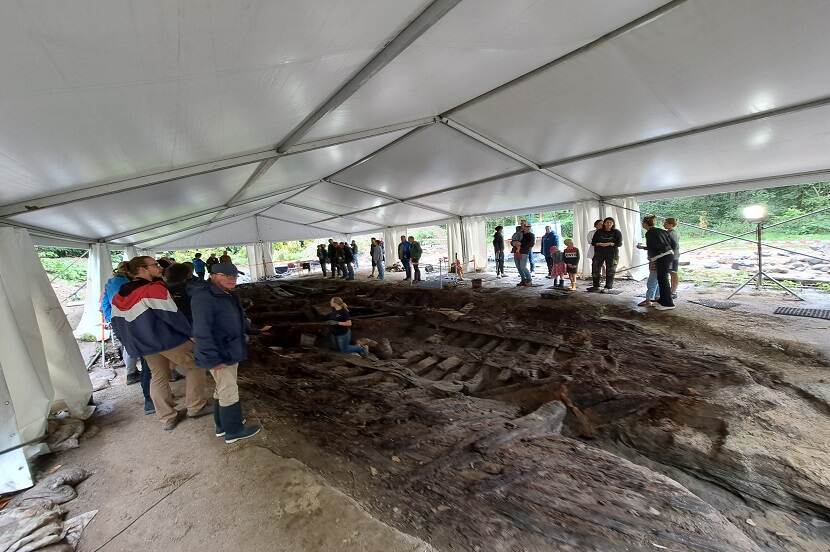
(168,318)
(342,258)
(605,240)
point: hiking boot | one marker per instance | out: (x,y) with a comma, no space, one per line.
(135,377)
(171,424)
(232,423)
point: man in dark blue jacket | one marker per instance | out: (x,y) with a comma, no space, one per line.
(219,329)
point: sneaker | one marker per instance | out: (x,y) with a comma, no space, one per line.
(645,303)
(133,378)
(660,307)
(171,425)
(592,289)
(149,408)
(204,411)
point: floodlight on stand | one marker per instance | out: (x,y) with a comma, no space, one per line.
(755,213)
(758,214)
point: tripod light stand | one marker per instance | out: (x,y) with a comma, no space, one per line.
(758,214)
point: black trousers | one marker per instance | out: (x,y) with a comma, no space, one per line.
(333,268)
(499,263)
(610,262)
(549,260)
(663,265)
(417,270)
(323,266)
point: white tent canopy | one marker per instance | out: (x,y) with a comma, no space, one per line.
(185,124)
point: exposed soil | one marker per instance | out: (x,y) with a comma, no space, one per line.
(547,424)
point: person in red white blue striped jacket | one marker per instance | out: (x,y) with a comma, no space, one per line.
(150,325)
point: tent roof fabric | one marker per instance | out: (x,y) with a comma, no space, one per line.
(215,123)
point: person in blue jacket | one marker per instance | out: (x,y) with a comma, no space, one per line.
(549,239)
(220,330)
(199,266)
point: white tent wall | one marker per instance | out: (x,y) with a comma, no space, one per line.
(475,241)
(41,365)
(585,213)
(98,271)
(129,253)
(626,213)
(259,260)
(455,243)
(391,239)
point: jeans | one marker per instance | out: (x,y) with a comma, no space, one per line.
(146,376)
(356,264)
(323,266)
(651,285)
(530,260)
(417,271)
(333,269)
(499,263)
(610,263)
(349,271)
(381,269)
(344,343)
(663,266)
(130,362)
(523,270)
(407,267)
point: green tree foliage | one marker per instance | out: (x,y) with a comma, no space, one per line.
(724,211)
(565,217)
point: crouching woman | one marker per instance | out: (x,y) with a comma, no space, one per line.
(219,330)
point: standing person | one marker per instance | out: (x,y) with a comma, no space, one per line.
(176,278)
(549,239)
(558,268)
(377,258)
(199,266)
(498,250)
(415,253)
(525,249)
(211,260)
(403,255)
(348,259)
(515,245)
(146,317)
(111,287)
(322,257)
(590,253)
(660,252)
(372,246)
(571,255)
(354,255)
(341,322)
(606,242)
(220,333)
(332,251)
(670,224)
(225,257)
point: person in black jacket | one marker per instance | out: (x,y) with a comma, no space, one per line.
(498,250)
(348,259)
(332,250)
(219,331)
(322,256)
(607,242)
(660,252)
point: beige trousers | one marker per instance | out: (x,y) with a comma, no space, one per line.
(161,364)
(227,392)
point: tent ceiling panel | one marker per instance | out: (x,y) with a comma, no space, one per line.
(347,226)
(108,215)
(477,46)
(787,144)
(176,83)
(695,65)
(399,214)
(259,204)
(314,165)
(428,160)
(228,232)
(336,199)
(275,230)
(516,192)
(161,230)
(294,214)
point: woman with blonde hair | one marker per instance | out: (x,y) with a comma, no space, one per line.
(341,322)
